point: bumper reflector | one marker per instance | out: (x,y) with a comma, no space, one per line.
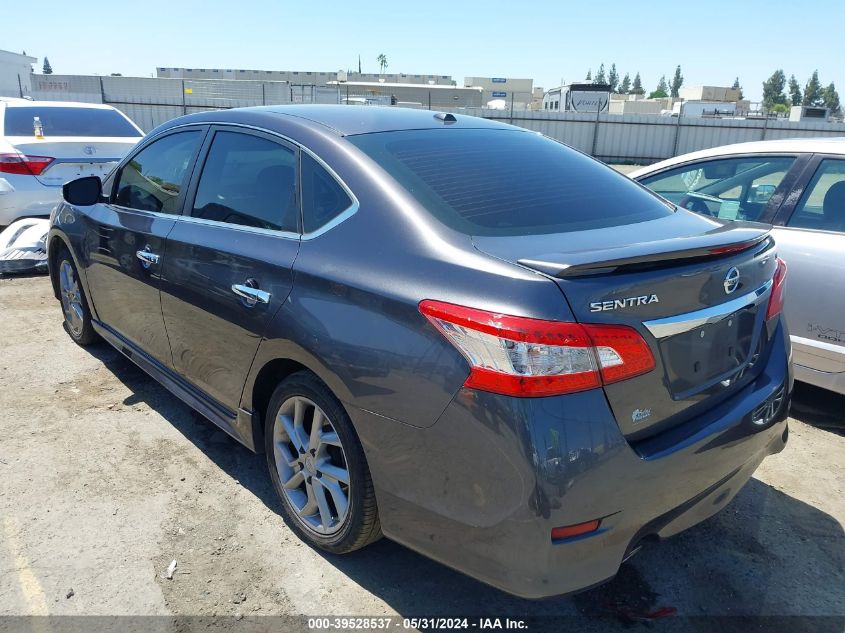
(579,529)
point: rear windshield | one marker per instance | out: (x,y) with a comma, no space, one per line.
(503,182)
(58,121)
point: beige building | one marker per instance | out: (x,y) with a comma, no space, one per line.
(301,77)
(708,93)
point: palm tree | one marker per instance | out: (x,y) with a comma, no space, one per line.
(382,62)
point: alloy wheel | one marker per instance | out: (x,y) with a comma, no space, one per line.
(71,298)
(311,465)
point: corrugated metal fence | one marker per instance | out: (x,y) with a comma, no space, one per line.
(639,139)
(644,139)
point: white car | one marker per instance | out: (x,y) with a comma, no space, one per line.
(797,185)
(44,144)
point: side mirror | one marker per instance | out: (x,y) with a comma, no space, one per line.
(83,192)
(760,194)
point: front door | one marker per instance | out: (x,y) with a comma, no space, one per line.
(229,259)
(125,240)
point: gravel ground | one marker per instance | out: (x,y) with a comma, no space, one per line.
(105,478)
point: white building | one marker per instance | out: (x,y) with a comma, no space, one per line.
(15,71)
(519,92)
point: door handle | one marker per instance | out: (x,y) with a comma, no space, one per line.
(147,257)
(250,294)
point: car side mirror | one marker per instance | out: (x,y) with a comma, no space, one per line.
(83,192)
(760,194)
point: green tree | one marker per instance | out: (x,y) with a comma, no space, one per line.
(830,98)
(794,91)
(47,69)
(677,82)
(781,108)
(662,90)
(589,75)
(737,87)
(773,90)
(600,76)
(625,85)
(613,78)
(813,91)
(382,62)
(637,86)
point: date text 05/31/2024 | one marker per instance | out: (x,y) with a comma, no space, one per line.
(421,624)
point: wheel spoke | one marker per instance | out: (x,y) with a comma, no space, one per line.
(283,451)
(322,503)
(330,438)
(334,472)
(295,481)
(316,429)
(341,502)
(311,506)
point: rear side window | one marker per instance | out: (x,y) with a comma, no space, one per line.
(58,121)
(249,181)
(822,206)
(502,182)
(323,199)
(153,179)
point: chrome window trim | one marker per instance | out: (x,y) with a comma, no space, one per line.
(288,235)
(679,323)
(338,219)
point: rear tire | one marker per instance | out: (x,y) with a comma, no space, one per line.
(77,316)
(318,468)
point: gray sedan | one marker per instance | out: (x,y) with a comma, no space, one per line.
(797,185)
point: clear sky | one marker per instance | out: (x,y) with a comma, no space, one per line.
(713,41)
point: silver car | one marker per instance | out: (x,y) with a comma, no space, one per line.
(798,185)
(44,144)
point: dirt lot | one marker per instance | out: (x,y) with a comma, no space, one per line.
(105,478)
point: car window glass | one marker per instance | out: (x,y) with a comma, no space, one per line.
(249,181)
(70,121)
(727,188)
(323,199)
(153,179)
(504,183)
(823,204)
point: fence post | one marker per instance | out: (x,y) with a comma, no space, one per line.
(765,126)
(511,121)
(263,93)
(184,104)
(20,86)
(102,92)
(677,137)
(596,133)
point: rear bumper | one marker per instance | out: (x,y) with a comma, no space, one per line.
(25,197)
(481,490)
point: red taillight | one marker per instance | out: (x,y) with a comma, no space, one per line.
(23,164)
(579,529)
(778,287)
(520,356)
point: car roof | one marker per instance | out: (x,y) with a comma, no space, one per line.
(348,120)
(826,145)
(15,102)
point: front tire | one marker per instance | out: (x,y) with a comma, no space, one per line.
(318,468)
(77,316)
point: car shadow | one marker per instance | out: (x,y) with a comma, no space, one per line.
(819,407)
(763,543)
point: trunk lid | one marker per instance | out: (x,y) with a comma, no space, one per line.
(74,157)
(694,288)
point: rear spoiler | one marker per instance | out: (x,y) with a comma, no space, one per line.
(726,240)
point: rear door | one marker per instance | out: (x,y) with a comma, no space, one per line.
(812,242)
(124,238)
(229,259)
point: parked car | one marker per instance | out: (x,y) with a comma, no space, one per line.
(457,333)
(799,186)
(44,144)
